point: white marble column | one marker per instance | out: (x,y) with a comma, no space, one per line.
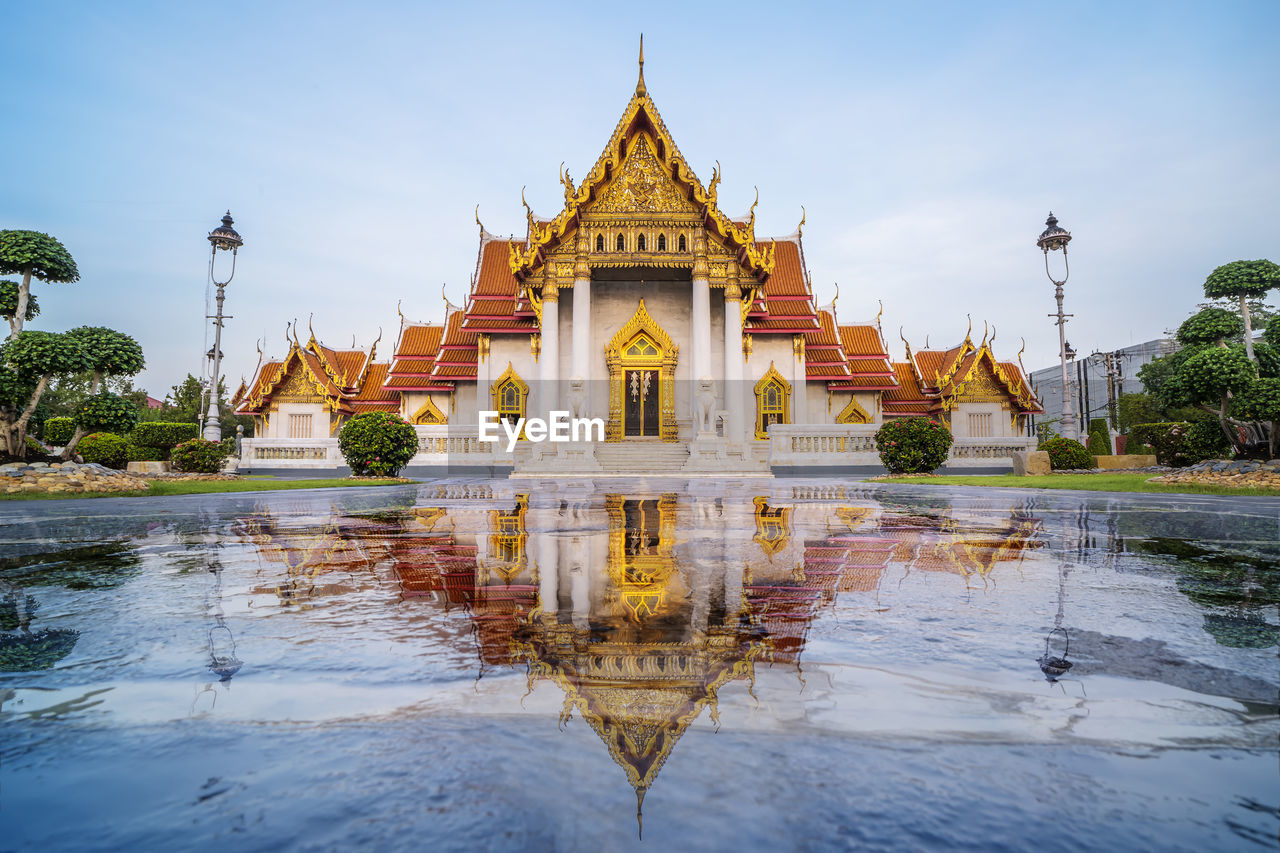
(549,361)
(548,575)
(800,385)
(733,397)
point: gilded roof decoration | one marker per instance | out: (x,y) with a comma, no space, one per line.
(641,118)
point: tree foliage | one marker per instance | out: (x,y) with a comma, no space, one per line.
(913,445)
(38,255)
(1260,402)
(107,412)
(377,443)
(1210,373)
(32,355)
(9,291)
(108,352)
(1242,278)
(1210,326)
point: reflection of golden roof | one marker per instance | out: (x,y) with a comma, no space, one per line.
(639,698)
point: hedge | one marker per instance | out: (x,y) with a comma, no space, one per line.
(1067,454)
(58,431)
(1179,443)
(104,448)
(163,435)
(198,456)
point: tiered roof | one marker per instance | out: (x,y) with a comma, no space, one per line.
(930,380)
(348,380)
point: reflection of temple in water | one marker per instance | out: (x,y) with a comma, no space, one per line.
(640,608)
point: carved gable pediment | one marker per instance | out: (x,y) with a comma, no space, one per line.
(297,387)
(642,187)
(982,386)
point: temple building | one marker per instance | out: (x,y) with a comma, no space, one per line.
(699,344)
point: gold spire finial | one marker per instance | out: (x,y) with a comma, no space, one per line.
(640,90)
(478,222)
(969,332)
(992,342)
(984,333)
(640,813)
(1020,352)
(834,299)
(310,328)
(800,228)
(880,312)
(906,344)
(401,313)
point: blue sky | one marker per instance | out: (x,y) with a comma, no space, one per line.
(927,142)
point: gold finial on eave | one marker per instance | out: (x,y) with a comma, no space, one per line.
(907,346)
(984,334)
(640,90)
(803,216)
(969,332)
(478,222)
(1020,352)
(310,328)
(401,313)
(880,312)
(992,342)
(834,299)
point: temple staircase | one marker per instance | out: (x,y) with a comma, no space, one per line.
(642,458)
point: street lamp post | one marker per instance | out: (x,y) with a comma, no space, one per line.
(225,238)
(1052,239)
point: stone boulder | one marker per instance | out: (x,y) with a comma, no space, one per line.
(1031,463)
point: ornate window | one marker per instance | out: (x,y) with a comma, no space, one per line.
(509,395)
(599,242)
(773,396)
(640,243)
(622,243)
(682,244)
(662,242)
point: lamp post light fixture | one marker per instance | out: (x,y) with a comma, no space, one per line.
(1052,239)
(226,238)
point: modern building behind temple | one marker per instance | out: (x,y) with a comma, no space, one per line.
(641,303)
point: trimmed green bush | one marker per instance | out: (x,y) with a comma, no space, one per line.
(107,413)
(58,431)
(377,444)
(1067,454)
(913,445)
(1179,443)
(104,448)
(143,453)
(1099,438)
(198,456)
(163,435)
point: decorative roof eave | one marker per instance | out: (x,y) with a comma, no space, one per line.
(640,116)
(332,401)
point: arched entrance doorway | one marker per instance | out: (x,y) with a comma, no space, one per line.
(642,366)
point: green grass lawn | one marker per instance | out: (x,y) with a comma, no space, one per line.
(1120,482)
(167,488)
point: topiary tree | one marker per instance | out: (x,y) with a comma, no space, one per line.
(1099,438)
(9,291)
(58,431)
(377,444)
(105,448)
(1210,326)
(1211,375)
(1261,402)
(28,361)
(32,254)
(107,353)
(105,412)
(1067,454)
(913,445)
(1243,279)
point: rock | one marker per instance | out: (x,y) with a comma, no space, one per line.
(149,467)
(1030,463)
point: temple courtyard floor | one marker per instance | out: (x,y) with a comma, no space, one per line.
(757,665)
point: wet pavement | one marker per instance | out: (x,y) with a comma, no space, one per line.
(511,666)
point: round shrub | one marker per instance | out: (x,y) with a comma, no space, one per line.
(1066,454)
(104,449)
(198,456)
(58,431)
(107,413)
(377,444)
(913,445)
